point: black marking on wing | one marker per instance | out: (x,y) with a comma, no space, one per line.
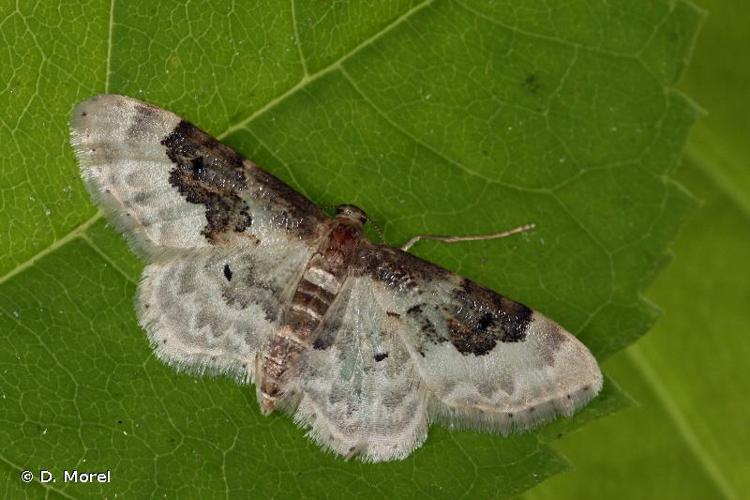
(476,318)
(327,335)
(209,173)
(483,317)
(245,284)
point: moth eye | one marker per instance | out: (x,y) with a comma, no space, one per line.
(381,356)
(227,272)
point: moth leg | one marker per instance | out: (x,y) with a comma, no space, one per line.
(477,237)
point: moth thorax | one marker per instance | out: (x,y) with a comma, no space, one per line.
(355,214)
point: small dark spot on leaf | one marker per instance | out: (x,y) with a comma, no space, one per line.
(531,83)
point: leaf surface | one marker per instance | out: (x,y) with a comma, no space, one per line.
(690,375)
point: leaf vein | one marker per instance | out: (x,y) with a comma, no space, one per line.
(51,248)
(298,42)
(334,65)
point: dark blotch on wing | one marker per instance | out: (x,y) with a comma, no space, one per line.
(209,173)
(476,341)
(476,318)
(482,317)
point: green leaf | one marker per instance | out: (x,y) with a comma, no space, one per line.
(718,145)
(436,116)
(688,437)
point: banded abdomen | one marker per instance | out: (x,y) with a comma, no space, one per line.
(317,289)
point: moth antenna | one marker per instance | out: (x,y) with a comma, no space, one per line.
(476,237)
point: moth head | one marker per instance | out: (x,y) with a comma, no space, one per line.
(353,213)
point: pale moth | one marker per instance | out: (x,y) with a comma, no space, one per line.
(363,344)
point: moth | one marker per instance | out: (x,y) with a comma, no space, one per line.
(363,344)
